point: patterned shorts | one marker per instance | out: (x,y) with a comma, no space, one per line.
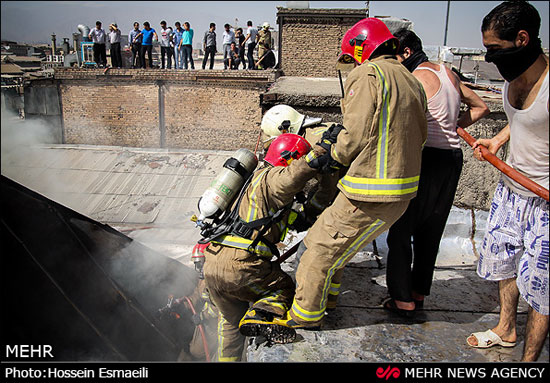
(516,245)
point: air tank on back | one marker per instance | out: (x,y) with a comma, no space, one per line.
(227,184)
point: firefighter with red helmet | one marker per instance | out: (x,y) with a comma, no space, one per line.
(243,282)
(283,118)
(384,129)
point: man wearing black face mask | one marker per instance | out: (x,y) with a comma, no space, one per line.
(515,249)
(426,216)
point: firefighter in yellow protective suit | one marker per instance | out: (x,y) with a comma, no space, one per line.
(264,42)
(284,119)
(384,129)
(238,269)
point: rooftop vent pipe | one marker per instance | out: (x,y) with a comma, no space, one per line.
(85,31)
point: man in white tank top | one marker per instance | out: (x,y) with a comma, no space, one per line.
(426,216)
(515,249)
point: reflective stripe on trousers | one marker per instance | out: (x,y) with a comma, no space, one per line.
(359,242)
(221,337)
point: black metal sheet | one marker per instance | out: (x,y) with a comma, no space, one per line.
(81,286)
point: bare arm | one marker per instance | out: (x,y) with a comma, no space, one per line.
(477,109)
(493,144)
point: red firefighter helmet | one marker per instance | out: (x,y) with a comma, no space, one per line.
(362,39)
(285,148)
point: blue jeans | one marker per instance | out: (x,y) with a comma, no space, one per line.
(179,57)
(187,56)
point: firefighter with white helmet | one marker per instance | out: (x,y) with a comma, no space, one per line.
(264,42)
(238,268)
(384,129)
(283,118)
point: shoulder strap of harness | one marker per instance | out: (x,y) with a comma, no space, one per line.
(233,224)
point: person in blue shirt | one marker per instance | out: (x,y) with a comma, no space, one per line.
(186,45)
(177,36)
(147,34)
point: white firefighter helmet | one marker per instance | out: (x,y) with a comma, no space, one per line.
(265,25)
(281,119)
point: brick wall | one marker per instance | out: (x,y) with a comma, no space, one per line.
(310,39)
(214,118)
(162,108)
(110,114)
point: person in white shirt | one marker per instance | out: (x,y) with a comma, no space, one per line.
(166,49)
(99,38)
(228,38)
(250,42)
(114,39)
(515,249)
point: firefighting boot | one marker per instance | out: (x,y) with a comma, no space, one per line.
(289,322)
(257,323)
(331,303)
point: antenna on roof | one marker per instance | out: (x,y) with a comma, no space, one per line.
(367,4)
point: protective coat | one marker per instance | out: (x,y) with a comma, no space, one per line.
(385,128)
(236,277)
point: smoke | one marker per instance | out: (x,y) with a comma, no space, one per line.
(146,277)
(19,136)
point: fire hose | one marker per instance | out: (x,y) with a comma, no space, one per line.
(288,253)
(201,329)
(504,167)
(487,155)
(171,303)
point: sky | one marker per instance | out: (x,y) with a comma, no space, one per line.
(36,21)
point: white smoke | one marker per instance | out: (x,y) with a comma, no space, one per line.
(19,136)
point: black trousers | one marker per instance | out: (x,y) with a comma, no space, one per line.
(167,52)
(149,50)
(136,55)
(250,55)
(100,54)
(116,55)
(424,221)
(209,51)
(241,57)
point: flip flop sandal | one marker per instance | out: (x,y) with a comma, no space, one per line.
(487,339)
(418,305)
(391,306)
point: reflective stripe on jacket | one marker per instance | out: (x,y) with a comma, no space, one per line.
(385,129)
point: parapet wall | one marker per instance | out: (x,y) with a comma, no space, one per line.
(162,108)
(212,110)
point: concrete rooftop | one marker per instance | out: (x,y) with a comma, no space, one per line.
(150,195)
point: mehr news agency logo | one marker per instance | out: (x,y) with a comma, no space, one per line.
(389,373)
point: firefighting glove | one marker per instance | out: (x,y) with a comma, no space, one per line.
(301,222)
(323,163)
(329,136)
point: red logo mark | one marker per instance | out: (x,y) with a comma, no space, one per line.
(388,372)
